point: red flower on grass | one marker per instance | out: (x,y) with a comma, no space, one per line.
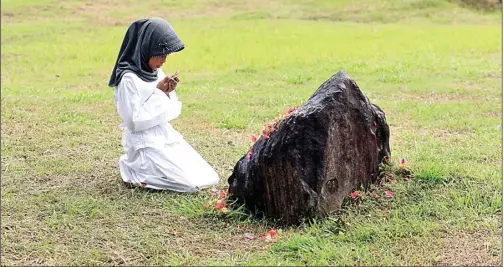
(354,195)
(272,233)
(223,195)
(270,236)
(388,194)
(219,203)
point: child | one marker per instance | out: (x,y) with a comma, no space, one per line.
(156,155)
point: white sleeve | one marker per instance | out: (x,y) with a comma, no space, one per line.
(173,96)
(143,107)
(174,107)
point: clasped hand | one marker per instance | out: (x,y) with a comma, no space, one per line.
(168,84)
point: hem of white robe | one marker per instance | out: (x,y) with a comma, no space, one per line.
(129,176)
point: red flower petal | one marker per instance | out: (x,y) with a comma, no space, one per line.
(254,138)
(219,205)
(272,233)
(354,195)
(388,194)
(143,185)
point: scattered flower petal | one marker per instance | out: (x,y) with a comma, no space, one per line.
(254,138)
(214,191)
(223,195)
(354,195)
(273,125)
(402,161)
(270,236)
(272,233)
(143,185)
(388,194)
(219,205)
(249,236)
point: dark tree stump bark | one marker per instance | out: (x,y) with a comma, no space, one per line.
(329,146)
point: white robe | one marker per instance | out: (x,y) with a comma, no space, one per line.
(156,155)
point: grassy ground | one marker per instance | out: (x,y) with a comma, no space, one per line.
(434,67)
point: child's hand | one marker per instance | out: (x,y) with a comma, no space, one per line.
(173,81)
(164,84)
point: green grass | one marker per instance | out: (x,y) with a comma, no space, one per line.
(434,67)
(13,4)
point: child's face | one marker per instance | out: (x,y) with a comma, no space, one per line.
(156,62)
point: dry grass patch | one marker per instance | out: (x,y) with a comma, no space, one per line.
(471,249)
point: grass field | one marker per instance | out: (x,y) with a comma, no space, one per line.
(433,66)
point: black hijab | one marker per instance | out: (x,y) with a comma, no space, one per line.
(144,39)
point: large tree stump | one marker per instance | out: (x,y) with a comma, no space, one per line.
(329,146)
